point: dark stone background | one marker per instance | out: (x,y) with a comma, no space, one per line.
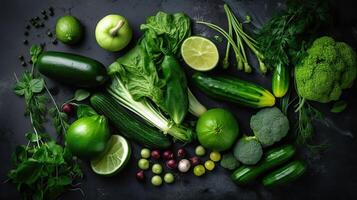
(331,175)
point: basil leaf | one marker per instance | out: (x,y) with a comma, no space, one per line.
(85,111)
(20,88)
(37,85)
(339,106)
(81,95)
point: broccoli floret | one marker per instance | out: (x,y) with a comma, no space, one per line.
(327,69)
(229,161)
(248,150)
(269,125)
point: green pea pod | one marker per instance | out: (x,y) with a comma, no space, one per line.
(285,174)
(176,98)
(280,81)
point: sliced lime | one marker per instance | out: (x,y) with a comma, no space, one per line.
(114,158)
(199,53)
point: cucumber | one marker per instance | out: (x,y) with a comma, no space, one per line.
(247,174)
(234,90)
(285,174)
(72,69)
(280,81)
(128,124)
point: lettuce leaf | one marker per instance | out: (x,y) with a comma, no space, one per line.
(138,72)
(164,34)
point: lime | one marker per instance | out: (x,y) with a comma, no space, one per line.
(199,53)
(217,129)
(114,158)
(68,29)
(87,137)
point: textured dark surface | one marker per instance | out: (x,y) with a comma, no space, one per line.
(331,175)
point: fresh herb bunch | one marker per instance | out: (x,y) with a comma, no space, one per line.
(42,168)
(282,39)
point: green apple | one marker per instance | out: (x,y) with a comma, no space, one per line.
(113,32)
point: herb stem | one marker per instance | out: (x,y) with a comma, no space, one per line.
(34,129)
(55,104)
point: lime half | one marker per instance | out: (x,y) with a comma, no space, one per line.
(199,53)
(114,158)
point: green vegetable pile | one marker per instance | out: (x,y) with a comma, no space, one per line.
(144,94)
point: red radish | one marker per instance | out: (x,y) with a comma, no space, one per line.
(168,155)
(195,160)
(181,153)
(171,164)
(140,175)
(68,108)
(155,154)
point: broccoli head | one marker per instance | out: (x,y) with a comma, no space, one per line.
(269,125)
(229,161)
(327,69)
(248,150)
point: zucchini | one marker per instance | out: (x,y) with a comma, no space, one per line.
(128,124)
(72,69)
(280,81)
(234,90)
(285,174)
(247,174)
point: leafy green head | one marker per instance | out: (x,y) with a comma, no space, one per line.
(269,125)
(328,68)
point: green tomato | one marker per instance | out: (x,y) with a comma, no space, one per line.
(145,153)
(113,32)
(209,164)
(199,170)
(169,178)
(143,164)
(69,30)
(200,151)
(217,129)
(156,180)
(215,156)
(156,168)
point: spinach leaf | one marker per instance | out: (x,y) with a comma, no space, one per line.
(80,95)
(85,111)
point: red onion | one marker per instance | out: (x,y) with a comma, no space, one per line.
(171,164)
(140,175)
(68,108)
(155,154)
(168,155)
(181,153)
(195,160)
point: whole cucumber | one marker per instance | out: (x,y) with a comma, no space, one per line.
(234,90)
(72,69)
(285,174)
(247,174)
(128,123)
(280,81)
